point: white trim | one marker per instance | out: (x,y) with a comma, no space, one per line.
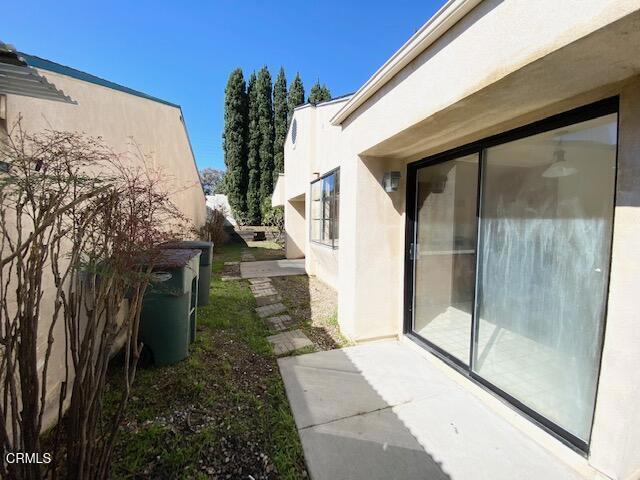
(450,13)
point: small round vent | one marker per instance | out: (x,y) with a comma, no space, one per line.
(294,131)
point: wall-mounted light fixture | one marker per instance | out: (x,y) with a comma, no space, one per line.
(391,181)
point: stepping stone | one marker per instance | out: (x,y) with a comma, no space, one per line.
(286,342)
(266,293)
(231,263)
(280,323)
(268,310)
(261,287)
(228,279)
(268,300)
(248,257)
(263,290)
(259,281)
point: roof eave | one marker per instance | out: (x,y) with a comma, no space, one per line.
(450,13)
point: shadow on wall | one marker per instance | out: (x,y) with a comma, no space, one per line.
(296,249)
(347,428)
(377,168)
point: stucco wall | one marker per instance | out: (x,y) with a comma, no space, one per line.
(317,150)
(493,41)
(505,65)
(121,120)
(128,124)
(615,447)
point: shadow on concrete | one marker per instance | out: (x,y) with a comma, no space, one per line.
(384,411)
(347,428)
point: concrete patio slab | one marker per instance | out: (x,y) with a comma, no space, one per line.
(316,383)
(382,410)
(272,268)
(286,342)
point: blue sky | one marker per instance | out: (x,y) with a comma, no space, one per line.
(183,51)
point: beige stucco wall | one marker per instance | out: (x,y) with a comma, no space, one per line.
(615,447)
(317,150)
(505,65)
(121,120)
(128,124)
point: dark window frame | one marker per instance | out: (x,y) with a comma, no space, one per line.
(588,112)
(333,204)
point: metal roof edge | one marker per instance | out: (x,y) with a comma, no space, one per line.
(44,64)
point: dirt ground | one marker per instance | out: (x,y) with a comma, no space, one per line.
(315,306)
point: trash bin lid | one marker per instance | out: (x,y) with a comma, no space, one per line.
(168,258)
(205,247)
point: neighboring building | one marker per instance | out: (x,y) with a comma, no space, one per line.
(50,96)
(219,201)
(480,196)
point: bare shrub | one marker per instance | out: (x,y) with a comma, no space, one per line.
(78,216)
(213,229)
(274,217)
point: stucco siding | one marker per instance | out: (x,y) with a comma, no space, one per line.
(130,125)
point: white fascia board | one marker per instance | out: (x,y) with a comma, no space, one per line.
(450,13)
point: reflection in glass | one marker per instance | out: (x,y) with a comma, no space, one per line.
(445,254)
(325,205)
(545,230)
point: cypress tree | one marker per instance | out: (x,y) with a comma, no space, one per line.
(296,96)
(319,93)
(279,122)
(234,142)
(253,158)
(265,126)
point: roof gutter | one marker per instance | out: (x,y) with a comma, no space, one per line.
(450,13)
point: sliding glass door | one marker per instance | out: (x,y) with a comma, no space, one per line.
(445,259)
(513,290)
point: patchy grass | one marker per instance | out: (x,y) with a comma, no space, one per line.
(265,250)
(222,412)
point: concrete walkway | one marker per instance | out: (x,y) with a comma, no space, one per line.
(272,268)
(382,411)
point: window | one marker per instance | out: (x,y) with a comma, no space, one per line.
(325,205)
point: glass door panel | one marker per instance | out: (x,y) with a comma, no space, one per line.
(445,254)
(543,268)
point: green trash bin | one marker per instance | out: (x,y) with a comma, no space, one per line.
(206,259)
(168,316)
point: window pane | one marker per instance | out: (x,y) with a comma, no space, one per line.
(324,209)
(445,254)
(545,233)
